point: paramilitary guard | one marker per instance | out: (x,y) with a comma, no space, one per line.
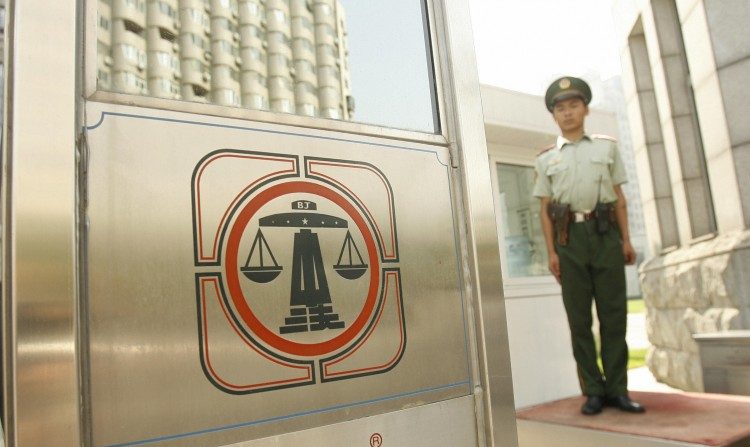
(585,224)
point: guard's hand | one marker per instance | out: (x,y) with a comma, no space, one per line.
(628,253)
(554,266)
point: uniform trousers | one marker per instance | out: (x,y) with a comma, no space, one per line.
(592,266)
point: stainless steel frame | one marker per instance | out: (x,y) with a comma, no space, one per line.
(41,378)
(44,376)
(466,136)
(267,117)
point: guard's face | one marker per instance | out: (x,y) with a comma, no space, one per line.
(569,114)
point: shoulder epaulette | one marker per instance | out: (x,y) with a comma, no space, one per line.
(603,137)
(546,149)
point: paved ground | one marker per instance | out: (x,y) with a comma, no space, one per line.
(636,335)
(641,379)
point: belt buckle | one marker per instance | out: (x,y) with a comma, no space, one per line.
(579,216)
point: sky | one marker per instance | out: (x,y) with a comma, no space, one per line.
(389,64)
(523,45)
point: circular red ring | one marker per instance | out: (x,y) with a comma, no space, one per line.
(233,280)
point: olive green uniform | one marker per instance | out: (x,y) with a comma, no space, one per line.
(592,265)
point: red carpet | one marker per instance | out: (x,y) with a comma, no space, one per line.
(708,419)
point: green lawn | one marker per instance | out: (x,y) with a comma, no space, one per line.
(636,306)
(637,357)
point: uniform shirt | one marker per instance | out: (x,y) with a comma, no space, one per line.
(576,173)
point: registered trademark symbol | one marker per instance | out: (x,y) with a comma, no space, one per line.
(376,440)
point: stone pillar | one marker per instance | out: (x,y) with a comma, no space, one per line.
(700,283)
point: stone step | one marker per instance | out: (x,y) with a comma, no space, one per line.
(725,361)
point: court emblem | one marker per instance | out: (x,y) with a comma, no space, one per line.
(297,270)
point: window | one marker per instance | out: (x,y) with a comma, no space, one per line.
(329,72)
(389,92)
(256,54)
(253,9)
(227,47)
(306,109)
(279,15)
(133,54)
(254,31)
(258,102)
(167,86)
(279,38)
(687,132)
(280,82)
(653,138)
(198,41)
(282,105)
(226,97)
(103,77)
(226,24)
(137,4)
(328,31)
(523,241)
(303,66)
(193,64)
(279,60)
(305,44)
(167,60)
(103,23)
(306,88)
(130,80)
(165,8)
(327,50)
(324,9)
(330,112)
(306,23)
(199,17)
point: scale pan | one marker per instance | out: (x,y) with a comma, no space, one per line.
(261,274)
(350,271)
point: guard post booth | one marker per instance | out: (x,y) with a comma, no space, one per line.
(205,243)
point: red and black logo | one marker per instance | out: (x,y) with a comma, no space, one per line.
(297,271)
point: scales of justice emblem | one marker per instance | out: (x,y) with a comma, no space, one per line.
(297,271)
(310,303)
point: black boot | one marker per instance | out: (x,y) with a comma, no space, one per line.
(593,405)
(625,404)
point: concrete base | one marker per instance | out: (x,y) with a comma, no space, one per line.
(671,419)
(537,434)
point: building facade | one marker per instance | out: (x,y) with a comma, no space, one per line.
(684,66)
(286,56)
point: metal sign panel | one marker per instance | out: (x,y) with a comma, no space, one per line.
(247,280)
(449,423)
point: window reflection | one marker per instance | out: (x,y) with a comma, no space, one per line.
(290,56)
(524,246)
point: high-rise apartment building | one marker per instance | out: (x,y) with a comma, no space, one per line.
(163,61)
(2,36)
(287,56)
